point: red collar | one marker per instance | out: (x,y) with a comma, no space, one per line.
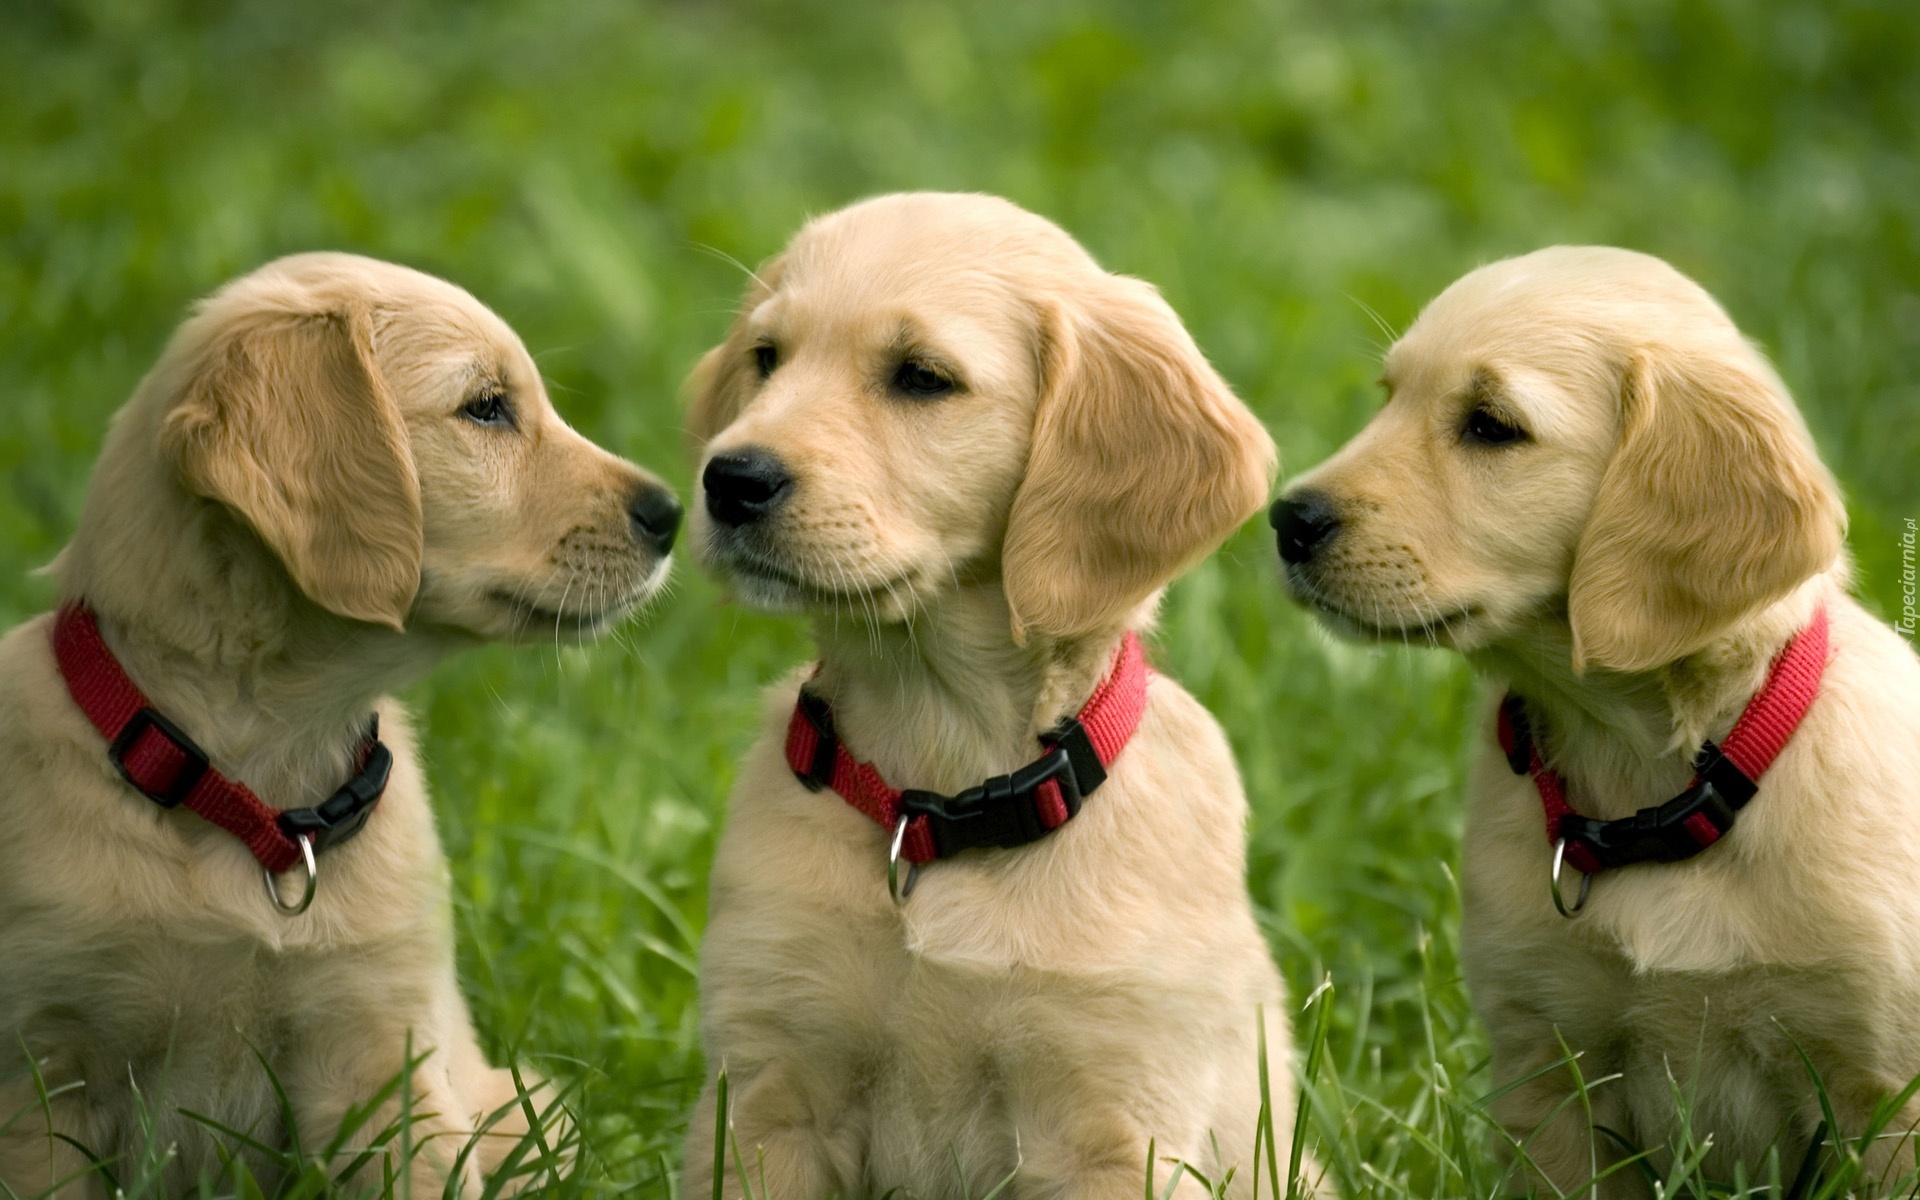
(165,765)
(1726,776)
(1005,811)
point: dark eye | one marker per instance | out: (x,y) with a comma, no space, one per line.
(1488,430)
(918,379)
(766,357)
(490,409)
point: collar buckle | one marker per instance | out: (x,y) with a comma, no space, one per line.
(1667,833)
(1715,768)
(343,814)
(1086,771)
(186,776)
(1000,812)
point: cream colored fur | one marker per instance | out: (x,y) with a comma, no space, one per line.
(970,563)
(289,518)
(1631,569)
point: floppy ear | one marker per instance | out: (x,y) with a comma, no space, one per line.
(1715,505)
(717,388)
(288,422)
(1141,462)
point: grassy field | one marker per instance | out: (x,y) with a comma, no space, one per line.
(1297,177)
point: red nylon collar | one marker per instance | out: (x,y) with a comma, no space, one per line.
(1109,719)
(1693,820)
(164,764)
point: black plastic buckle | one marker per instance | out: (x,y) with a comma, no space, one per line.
(1088,772)
(345,813)
(1000,812)
(1657,834)
(826,744)
(190,773)
(1729,781)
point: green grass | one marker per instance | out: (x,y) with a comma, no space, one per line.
(1297,177)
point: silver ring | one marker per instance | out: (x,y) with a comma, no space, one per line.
(895,888)
(1553,883)
(313,881)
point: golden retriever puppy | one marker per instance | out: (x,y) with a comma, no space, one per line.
(975,459)
(339,471)
(1589,483)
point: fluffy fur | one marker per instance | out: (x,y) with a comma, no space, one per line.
(1631,566)
(970,561)
(291,516)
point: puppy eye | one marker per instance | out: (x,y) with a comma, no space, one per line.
(920,380)
(766,357)
(1488,430)
(490,409)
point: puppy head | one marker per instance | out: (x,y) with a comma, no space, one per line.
(926,390)
(389,440)
(1579,435)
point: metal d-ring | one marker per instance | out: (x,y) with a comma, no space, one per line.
(895,888)
(313,880)
(1553,882)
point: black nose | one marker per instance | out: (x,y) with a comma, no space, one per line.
(1304,521)
(745,485)
(655,517)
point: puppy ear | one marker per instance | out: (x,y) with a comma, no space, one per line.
(716,391)
(1141,462)
(719,385)
(1714,505)
(288,422)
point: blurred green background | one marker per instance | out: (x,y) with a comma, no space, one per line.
(1297,177)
